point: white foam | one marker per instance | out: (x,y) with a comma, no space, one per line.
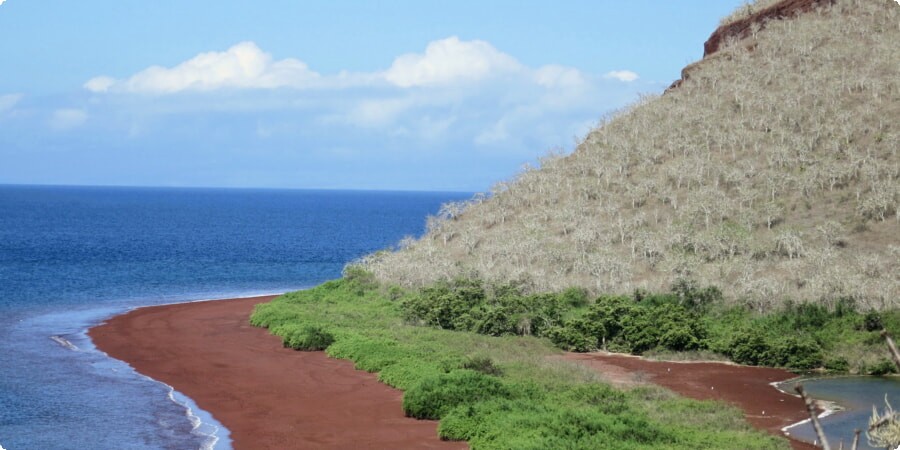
(63,342)
(211,436)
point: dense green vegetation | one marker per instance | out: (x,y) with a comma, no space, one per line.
(688,318)
(496,389)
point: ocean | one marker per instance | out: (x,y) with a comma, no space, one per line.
(72,256)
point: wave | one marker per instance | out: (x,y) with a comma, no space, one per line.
(63,342)
(199,428)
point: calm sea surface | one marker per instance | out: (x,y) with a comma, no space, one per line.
(73,256)
(856,395)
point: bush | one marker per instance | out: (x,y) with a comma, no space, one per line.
(433,397)
(446,305)
(574,297)
(872,321)
(748,347)
(882,367)
(838,364)
(308,338)
(575,335)
(795,353)
(483,364)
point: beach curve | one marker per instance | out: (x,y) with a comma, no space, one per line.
(268,397)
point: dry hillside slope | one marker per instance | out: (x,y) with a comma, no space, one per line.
(772,171)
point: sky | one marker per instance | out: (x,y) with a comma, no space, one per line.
(328,94)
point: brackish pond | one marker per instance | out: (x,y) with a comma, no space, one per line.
(856,395)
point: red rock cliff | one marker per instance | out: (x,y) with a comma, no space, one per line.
(742,28)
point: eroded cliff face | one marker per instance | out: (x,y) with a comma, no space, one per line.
(742,29)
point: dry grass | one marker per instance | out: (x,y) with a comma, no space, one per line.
(749,8)
(772,173)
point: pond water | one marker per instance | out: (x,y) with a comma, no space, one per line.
(856,395)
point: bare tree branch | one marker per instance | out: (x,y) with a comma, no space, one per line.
(813,417)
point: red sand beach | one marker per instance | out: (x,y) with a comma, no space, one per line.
(746,387)
(269,397)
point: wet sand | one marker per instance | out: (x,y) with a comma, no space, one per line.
(267,396)
(746,387)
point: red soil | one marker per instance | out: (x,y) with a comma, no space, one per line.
(746,387)
(269,397)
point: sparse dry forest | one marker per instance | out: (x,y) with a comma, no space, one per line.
(771,171)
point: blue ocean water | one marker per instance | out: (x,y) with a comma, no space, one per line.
(72,256)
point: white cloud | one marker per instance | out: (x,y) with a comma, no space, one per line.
(99,84)
(445,62)
(1,2)
(244,65)
(450,61)
(8,101)
(67,118)
(626,76)
(448,93)
(555,76)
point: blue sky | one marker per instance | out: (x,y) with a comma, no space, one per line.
(410,95)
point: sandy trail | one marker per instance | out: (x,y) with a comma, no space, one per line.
(269,397)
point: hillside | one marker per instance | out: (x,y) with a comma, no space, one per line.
(770,170)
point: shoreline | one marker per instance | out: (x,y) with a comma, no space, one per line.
(265,395)
(167,343)
(826,408)
(752,389)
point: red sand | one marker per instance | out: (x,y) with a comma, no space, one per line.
(269,397)
(746,387)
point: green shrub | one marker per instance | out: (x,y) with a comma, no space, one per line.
(839,364)
(795,353)
(482,364)
(434,396)
(882,367)
(308,338)
(495,321)
(575,335)
(574,297)
(872,321)
(748,347)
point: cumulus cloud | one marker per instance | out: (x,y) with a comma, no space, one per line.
(67,118)
(626,76)
(447,94)
(8,101)
(444,62)
(448,61)
(244,65)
